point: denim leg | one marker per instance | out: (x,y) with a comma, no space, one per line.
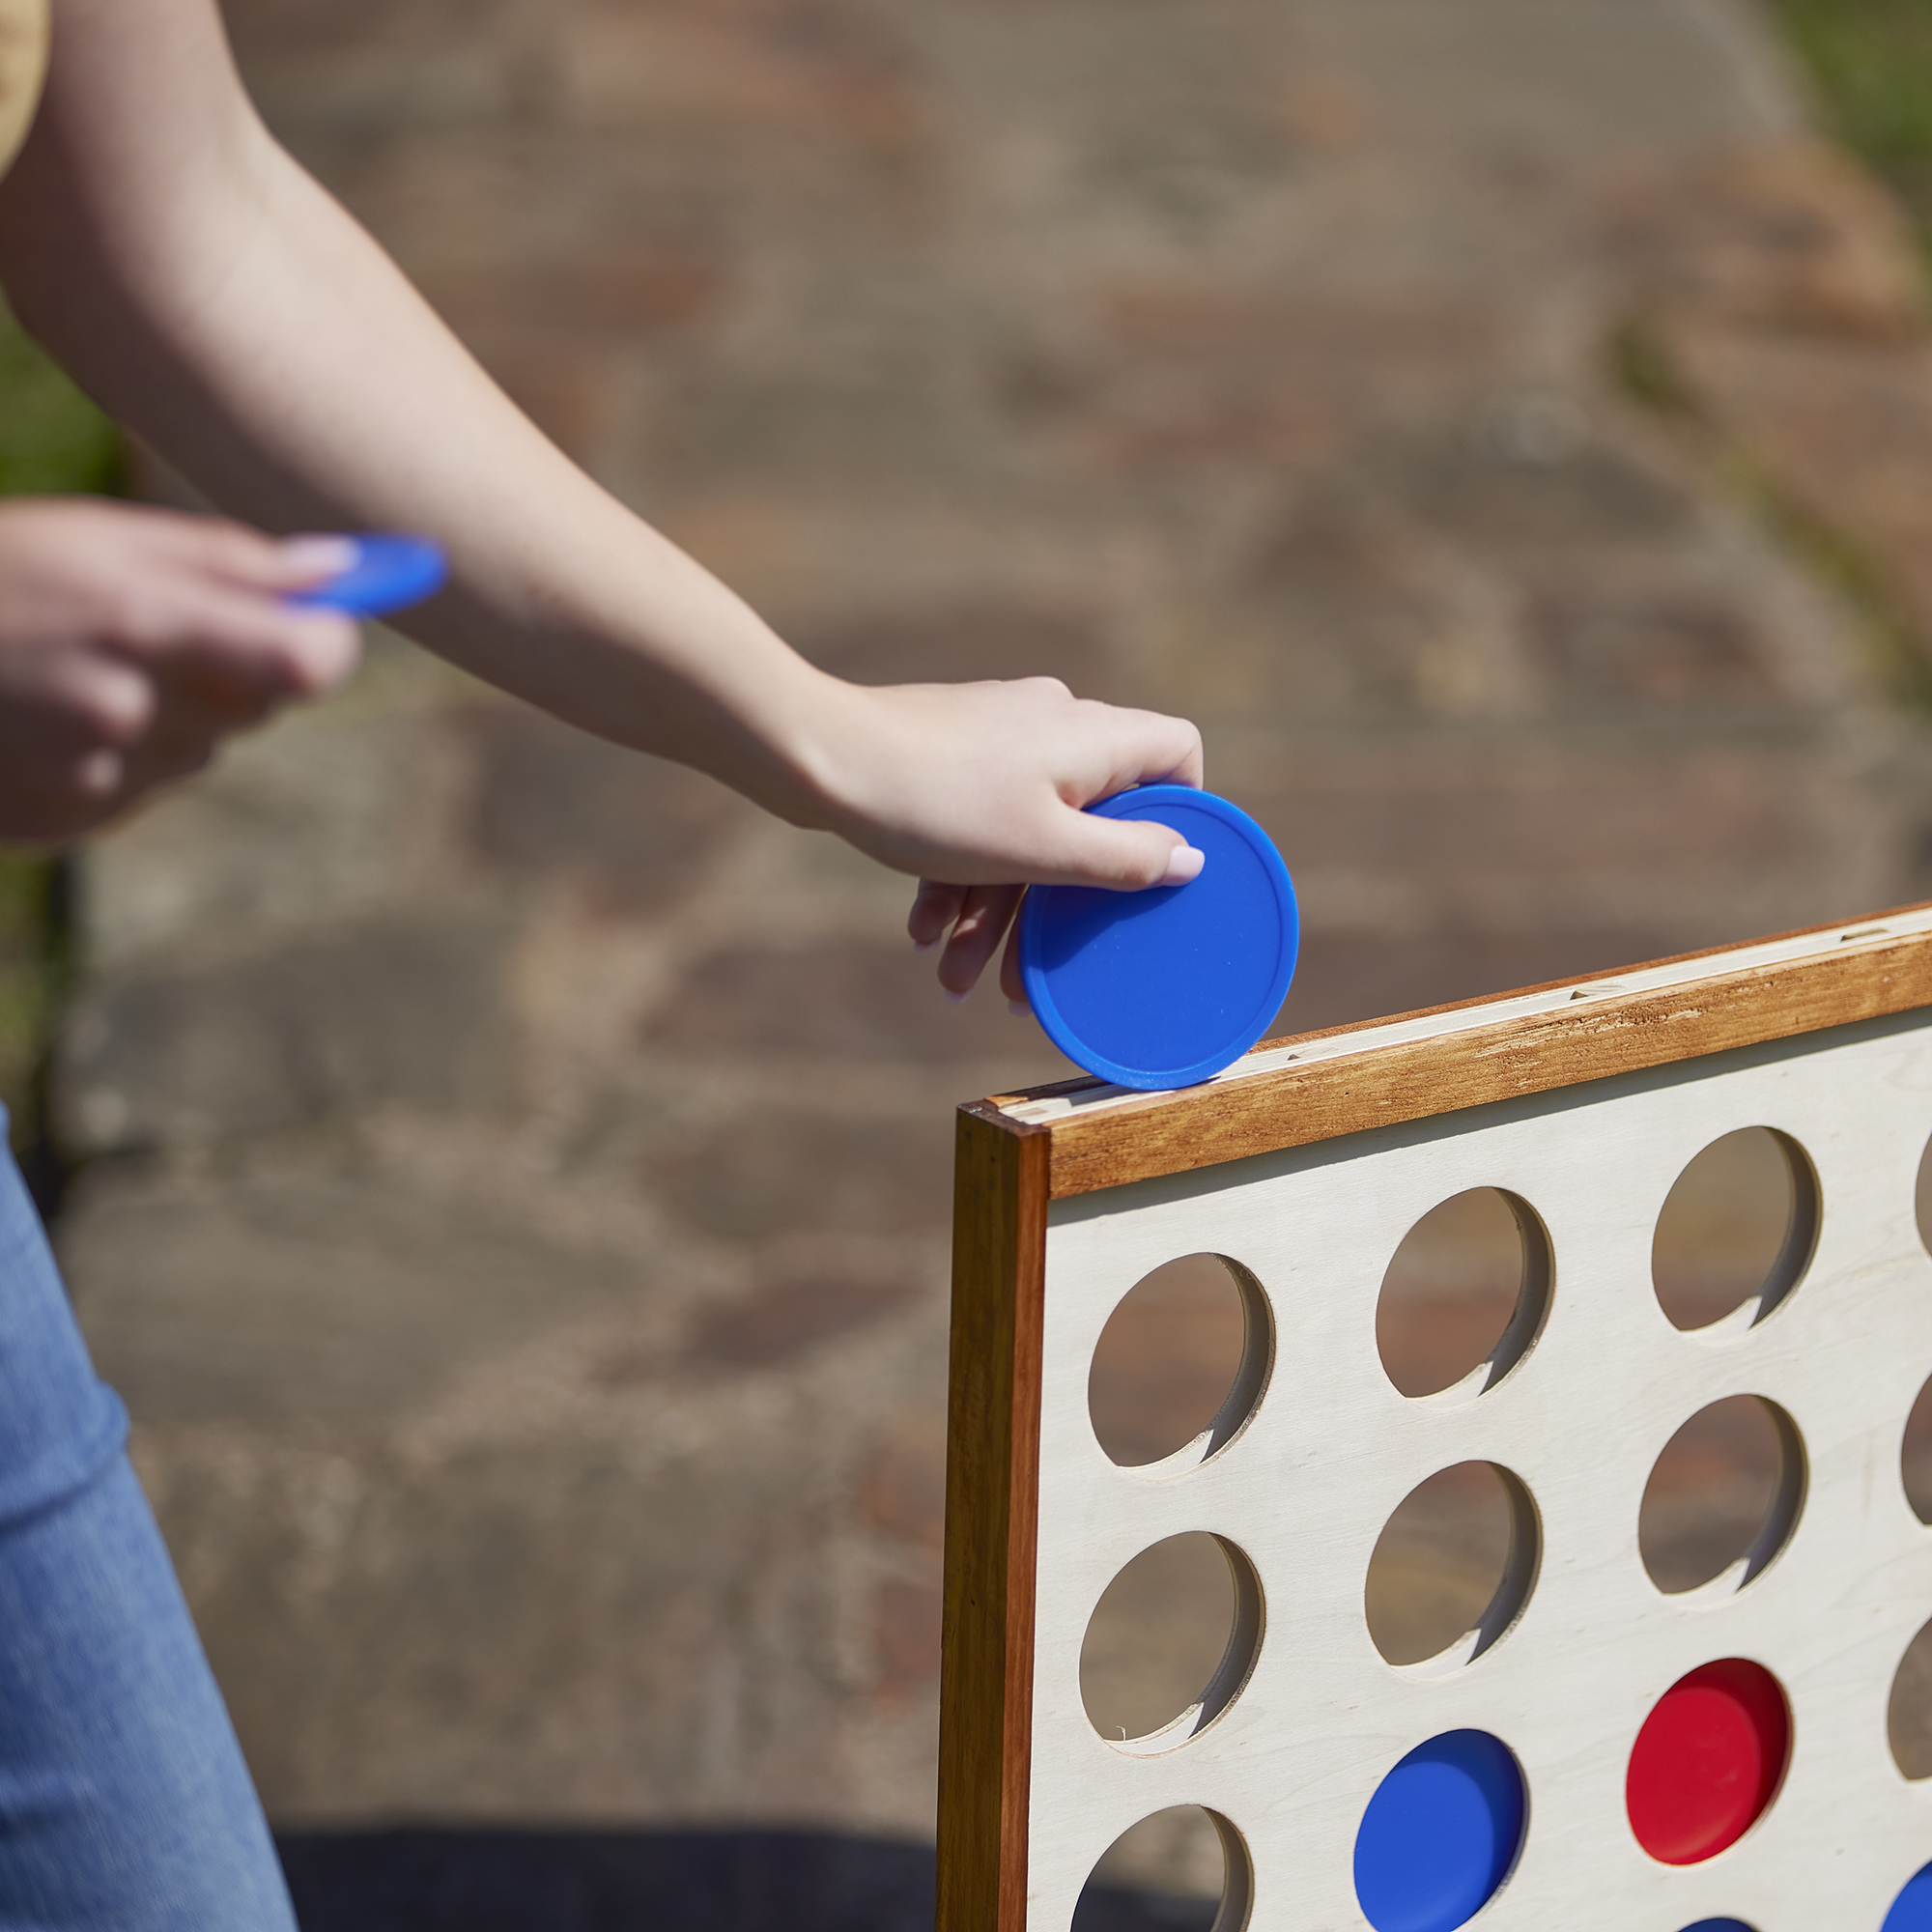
(124,1799)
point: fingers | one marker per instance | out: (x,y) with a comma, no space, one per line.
(1191,768)
(299,563)
(984,784)
(934,908)
(979,917)
(1124,855)
(1150,748)
(204,601)
(57,705)
(242,656)
(213,629)
(218,548)
(1127,854)
(188,723)
(133,641)
(981,926)
(1012,980)
(326,650)
(81,733)
(100,703)
(1035,758)
(99,778)
(982,921)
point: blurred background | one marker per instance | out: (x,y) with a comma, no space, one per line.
(509,1179)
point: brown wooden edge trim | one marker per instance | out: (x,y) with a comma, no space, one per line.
(1618,1033)
(1083,1082)
(992,1513)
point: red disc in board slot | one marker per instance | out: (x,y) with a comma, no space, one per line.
(1707,1761)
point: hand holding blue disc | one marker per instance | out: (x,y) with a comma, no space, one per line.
(390,574)
(1167,986)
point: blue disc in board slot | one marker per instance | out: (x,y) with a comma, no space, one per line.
(1165,988)
(1440,1834)
(1912,1909)
(390,574)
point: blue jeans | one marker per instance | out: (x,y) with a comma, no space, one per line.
(124,1799)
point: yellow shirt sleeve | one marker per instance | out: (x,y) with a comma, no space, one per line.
(23,70)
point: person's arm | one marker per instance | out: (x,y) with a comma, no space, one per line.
(207,291)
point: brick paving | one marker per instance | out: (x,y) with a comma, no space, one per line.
(514,1176)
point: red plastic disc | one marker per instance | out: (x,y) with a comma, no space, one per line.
(1707,1761)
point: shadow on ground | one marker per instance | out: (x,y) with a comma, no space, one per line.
(509,1881)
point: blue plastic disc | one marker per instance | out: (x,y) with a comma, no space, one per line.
(1912,1909)
(390,574)
(1440,1834)
(1165,988)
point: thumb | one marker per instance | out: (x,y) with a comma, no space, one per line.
(1129,854)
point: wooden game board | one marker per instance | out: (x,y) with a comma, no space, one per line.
(1305,1165)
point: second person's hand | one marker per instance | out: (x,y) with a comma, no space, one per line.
(133,640)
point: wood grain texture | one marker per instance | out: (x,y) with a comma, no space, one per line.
(1471,1065)
(992,1485)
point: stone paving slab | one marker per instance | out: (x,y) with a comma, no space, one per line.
(516,1176)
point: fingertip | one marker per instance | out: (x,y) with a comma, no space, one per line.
(121,705)
(953,999)
(1191,767)
(328,647)
(281,564)
(1012,973)
(98,776)
(1133,855)
(1184,866)
(1019,1009)
(935,905)
(313,558)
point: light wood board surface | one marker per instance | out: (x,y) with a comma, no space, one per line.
(1307,1173)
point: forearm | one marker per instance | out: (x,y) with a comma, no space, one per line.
(211,295)
(268,348)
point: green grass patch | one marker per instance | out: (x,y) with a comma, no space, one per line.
(53,441)
(1871,63)
(31,976)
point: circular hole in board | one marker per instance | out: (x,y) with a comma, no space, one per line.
(1170,1870)
(1440,1834)
(1723,1497)
(1170,1643)
(1181,1363)
(1719,1926)
(1915,1455)
(1908,1712)
(1912,1909)
(1453,1567)
(1707,1761)
(1465,1292)
(1736,1229)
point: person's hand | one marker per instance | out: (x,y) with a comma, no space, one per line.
(133,641)
(978,789)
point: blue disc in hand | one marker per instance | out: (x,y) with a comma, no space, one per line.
(1167,986)
(390,574)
